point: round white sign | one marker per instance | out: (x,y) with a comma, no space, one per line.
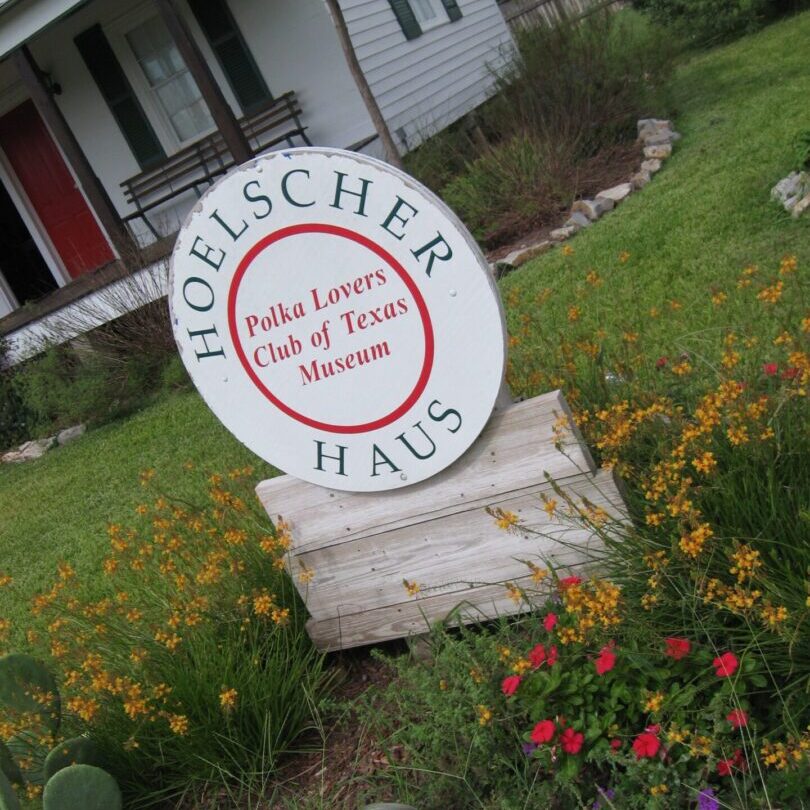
(338,319)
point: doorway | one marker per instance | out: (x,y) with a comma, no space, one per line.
(52,191)
(21,263)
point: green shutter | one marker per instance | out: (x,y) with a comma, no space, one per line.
(117,91)
(452,9)
(237,63)
(405,17)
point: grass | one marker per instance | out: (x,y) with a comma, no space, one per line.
(704,217)
(58,507)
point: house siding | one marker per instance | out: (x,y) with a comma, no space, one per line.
(424,84)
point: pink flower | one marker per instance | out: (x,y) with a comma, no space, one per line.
(677,648)
(725,665)
(770,368)
(543,732)
(646,745)
(738,718)
(790,373)
(537,656)
(550,622)
(571,741)
(606,660)
(509,685)
(724,767)
(569,582)
(615,743)
(661,362)
(552,656)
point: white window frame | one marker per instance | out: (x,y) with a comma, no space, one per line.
(440,17)
(117,35)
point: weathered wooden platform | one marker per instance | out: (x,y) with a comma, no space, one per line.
(360,546)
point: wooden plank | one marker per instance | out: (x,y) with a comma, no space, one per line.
(515,451)
(448,553)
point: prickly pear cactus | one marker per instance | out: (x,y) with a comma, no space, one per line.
(8,798)
(27,689)
(77,751)
(8,766)
(82,787)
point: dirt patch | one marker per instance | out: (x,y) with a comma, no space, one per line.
(607,169)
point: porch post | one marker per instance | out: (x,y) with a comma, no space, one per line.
(212,94)
(97,196)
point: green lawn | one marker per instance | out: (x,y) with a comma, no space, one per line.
(58,507)
(704,217)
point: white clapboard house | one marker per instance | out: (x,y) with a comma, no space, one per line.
(115,115)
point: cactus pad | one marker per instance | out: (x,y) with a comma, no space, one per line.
(9,767)
(82,787)
(78,751)
(8,798)
(28,689)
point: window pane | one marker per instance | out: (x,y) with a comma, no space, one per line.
(173,85)
(423,10)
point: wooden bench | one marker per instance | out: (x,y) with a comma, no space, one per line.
(197,166)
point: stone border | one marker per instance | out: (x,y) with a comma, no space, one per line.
(37,448)
(657,138)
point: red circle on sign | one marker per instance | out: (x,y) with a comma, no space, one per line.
(345,233)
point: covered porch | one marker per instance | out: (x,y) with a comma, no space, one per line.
(116,115)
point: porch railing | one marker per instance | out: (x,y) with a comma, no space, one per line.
(197,166)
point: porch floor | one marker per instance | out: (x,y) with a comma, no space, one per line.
(84,285)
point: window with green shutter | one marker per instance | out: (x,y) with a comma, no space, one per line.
(452,9)
(231,50)
(406,18)
(117,92)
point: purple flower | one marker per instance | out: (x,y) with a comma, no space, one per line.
(608,793)
(707,801)
(528,748)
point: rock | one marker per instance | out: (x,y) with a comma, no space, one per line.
(561,234)
(661,138)
(651,166)
(389,806)
(640,179)
(801,206)
(524,253)
(652,126)
(616,194)
(791,188)
(30,450)
(69,434)
(593,209)
(660,152)
(577,221)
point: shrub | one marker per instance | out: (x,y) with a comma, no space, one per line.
(14,417)
(570,94)
(709,21)
(185,656)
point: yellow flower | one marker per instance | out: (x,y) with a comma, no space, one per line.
(412,588)
(514,593)
(718,298)
(654,702)
(770,295)
(476,675)
(593,278)
(306,575)
(178,723)
(538,574)
(227,698)
(705,463)
(659,790)
(774,616)
(573,313)
(443,685)
(146,476)
(5,579)
(567,250)
(263,604)
(549,506)
(484,715)
(504,519)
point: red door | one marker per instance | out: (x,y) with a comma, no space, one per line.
(52,191)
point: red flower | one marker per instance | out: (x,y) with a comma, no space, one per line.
(543,732)
(738,718)
(510,685)
(646,745)
(725,766)
(550,622)
(552,656)
(790,373)
(537,656)
(677,648)
(606,660)
(770,368)
(569,582)
(726,665)
(571,741)
(615,743)
(661,362)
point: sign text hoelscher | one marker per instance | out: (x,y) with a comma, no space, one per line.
(338,319)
